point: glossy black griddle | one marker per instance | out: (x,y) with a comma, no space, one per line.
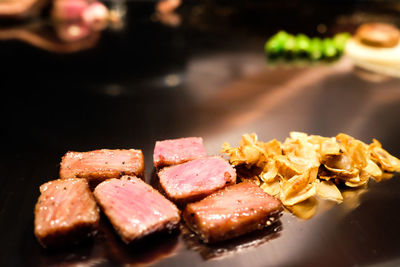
(207,77)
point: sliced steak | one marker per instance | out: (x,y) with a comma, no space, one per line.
(176,151)
(231,212)
(134,208)
(196,179)
(99,165)
(65,212)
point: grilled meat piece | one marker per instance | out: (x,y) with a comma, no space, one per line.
(176,151)
(99,165)
(134,208)
(196,179)
(231,212)
(65,212)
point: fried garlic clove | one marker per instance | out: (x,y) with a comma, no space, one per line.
(330,148)
(286,168)
(298,188)
(386,161)
(358,152)
(373,170)
(344,139)
(269,172)
(341,166)
(273,188)
(271,148)
(250,154)
(358,180)
(248,139)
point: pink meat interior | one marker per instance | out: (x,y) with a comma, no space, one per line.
(170,152)
(63,204)
(200,176)
(134,207)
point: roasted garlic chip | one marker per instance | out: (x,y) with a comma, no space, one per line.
(386,161)
(270,172)
(273,187)
(330,148)
(299,187)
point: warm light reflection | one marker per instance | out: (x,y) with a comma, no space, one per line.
(231,247)
(172,80)
(75,24)
(70,37)
(306,209)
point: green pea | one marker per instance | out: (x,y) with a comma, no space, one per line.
(289,45)
(315,49)
(340,39)
(302,44)
(328,48)
(281,36)
(273,47)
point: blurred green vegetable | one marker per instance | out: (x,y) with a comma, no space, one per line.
(339,40)
(315,48)
(283,44)
(282,36)
(302,44)
(328,48)
(273,47)
(289,45)
(276,43)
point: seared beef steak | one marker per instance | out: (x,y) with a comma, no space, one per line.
(196,179)
(99,165)
(65,212)
(231,212)
(134,208)
(176,151)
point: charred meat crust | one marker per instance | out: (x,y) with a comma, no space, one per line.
(191,220)
(162,227)
(96,174)
(231,212)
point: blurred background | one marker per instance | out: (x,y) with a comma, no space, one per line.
(62,70)
(83,75)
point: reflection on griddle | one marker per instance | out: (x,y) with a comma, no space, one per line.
(61,38)
(229,247)
(143,252)
(306,209)
(351,197)
(107,248)
(89,253)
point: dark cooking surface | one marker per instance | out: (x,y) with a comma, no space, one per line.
(206,78)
